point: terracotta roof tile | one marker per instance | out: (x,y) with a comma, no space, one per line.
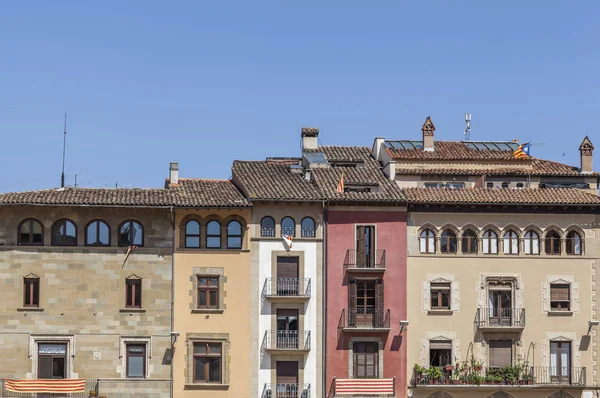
(194,192)
(450,150)
(538,167)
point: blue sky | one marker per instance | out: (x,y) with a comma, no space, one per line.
(204,83)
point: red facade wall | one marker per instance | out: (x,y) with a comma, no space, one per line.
(390,235)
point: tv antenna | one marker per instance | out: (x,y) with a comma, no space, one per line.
(468,127)
(116,185)
(75,176)
(62,176)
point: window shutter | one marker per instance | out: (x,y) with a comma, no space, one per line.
(287,267)
(559,293)
(500,353)
(361,246)
(287,372)
(440,345)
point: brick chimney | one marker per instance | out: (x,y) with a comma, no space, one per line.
(428,129)
(585,150)
(309,138)
(174,173)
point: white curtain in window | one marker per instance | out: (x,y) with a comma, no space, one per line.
(576,244)
(511,243)
(536,244)
(564,360)
(427,242)
(490,242)
(553,363)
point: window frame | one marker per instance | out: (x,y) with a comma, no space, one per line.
(207,354)
(293,227)
(439,288)
(131,243)
(528,242)
(98,222)
(65,356)
(187,235)
(209,235)
(427,234)
(306,232)
(263,229)
(235,236)
(136,284)
(466,236)
(445,239)
(54,239)
(31,222)
(489,235)
(510,240)
(206,290)
(569,243)
(35,284)
(552,241)
(128,355)
(569,301)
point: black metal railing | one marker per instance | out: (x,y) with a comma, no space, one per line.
(500,317)
(286,340)
(287,287)
(517,375)
(361,318)
(285,390)
(91,385)
(364,259)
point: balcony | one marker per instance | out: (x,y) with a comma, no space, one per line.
(286,289)
(364,387)
(500,319)
(281,390)
(361,320)
(286,341)
(509,376)
(46,388)
(365,261)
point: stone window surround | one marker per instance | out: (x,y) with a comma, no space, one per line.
(35,339)
(356,339)
(207,271)
(513,279)
(42,290)
(301,361)
(454,292)
(190,339)
(440,336)
(123,341)
(124,295)
(561,336)
(574,294)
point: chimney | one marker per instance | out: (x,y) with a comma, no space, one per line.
(585,150)
(309,138)
(428,129)
(174,173)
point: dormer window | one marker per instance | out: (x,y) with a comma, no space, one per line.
(356,189)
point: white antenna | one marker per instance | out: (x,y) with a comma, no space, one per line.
(468,128)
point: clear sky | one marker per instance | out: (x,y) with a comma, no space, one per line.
(207,82)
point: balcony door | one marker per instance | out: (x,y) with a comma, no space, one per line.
(287,276)
(287,328)
(501,303)
(560,361)
(52,361)
(366,360)
(365,303)
(365,246)
(287,379)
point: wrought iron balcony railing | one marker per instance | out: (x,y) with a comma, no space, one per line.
(360,318)
(500,318)
(286,340)
(284,390)
(286,287)
(364,260)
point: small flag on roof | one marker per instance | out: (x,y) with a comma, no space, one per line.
(522,151)
(340,187)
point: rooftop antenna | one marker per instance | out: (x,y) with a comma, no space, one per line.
(62,176)
(468,127)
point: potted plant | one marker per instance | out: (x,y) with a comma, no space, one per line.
(434,374)
(449,367)
(477,366)
(418,371)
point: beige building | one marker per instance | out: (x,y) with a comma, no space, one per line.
(502,256)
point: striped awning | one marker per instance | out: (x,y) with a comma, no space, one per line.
(45,385)
(364,386)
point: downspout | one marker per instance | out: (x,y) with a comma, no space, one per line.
(172,301)
(324,304)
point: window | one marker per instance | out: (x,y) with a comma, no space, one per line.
(490,242)
(208,292)
(133,293)
(560,297)
(489,185)
(519,185)
(511,242)
(455,185)
(427,241)
(192,234)
(213,235)
(31,232)
(31,292)
(365,246)
(136,360)
(434,185)
(307,228)
(207,362)
(500,353)
(366,360)
(440,353)
(97,233)
(448,242)
(357,189)
(267,227)
(440,296)
(469,242)
(532,243)
(552,243)
(573,243)
(52,361)
(288,226)
(560,361)
(505,185)
(234,235)
(64,233)
(131,233)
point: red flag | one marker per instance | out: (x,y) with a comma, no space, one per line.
(340,187)
(129,250)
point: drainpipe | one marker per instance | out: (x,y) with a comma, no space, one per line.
(172,300)
(324,304)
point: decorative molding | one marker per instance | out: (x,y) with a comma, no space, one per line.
(133,276)
(440,278)
(31,275)
(561,336)
(560,279)
(437,336)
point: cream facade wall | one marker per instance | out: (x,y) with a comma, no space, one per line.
(531,276)
(229,323)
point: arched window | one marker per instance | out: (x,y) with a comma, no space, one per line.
(192,234)
(64,233)
(448,242)
(511,242)
(131,233)
(234,235)
(31,232)
(552,243)
(574,244)
(97,233)
(427,241)
(267,227)
(505,185)
(288,226)
(469,242)
(531,243)
(213,235)
(307,228)
(490,242)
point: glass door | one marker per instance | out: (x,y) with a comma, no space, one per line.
(560,362)
(287,328)
(500,307)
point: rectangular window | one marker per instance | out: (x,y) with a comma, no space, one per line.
(133,297)
(560,361)
(31,292)
(207,362)
(136,360)
(440,353)
(560,297)
(365,246)
(366,360)
(440,296)
(500,353)
(208,292)
(52,361)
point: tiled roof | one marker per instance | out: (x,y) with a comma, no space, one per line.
(523,196)
(535,167)
(450,150)
(189,193)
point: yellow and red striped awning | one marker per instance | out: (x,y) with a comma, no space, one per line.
(45,385)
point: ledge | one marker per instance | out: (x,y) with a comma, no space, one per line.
(30,309)
(138,310)
(560,313)
(206,386)
(440,312)
(206,250)
(207,311)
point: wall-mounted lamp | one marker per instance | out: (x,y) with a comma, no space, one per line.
(403,324)
(174,336)
(592,324)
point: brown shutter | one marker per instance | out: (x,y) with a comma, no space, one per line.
(372,246)
(352,303)
(287,267)
(559,292)
(500,353)
(287,372)
(361,246)
(379,315)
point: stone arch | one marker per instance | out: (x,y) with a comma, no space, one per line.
(441,394)
(560,394)
(501,394)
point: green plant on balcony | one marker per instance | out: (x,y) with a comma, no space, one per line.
(418,371)
(474,378)
(434,374)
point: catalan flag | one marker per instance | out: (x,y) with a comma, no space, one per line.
(522,151)
(340,187)
(50,386)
